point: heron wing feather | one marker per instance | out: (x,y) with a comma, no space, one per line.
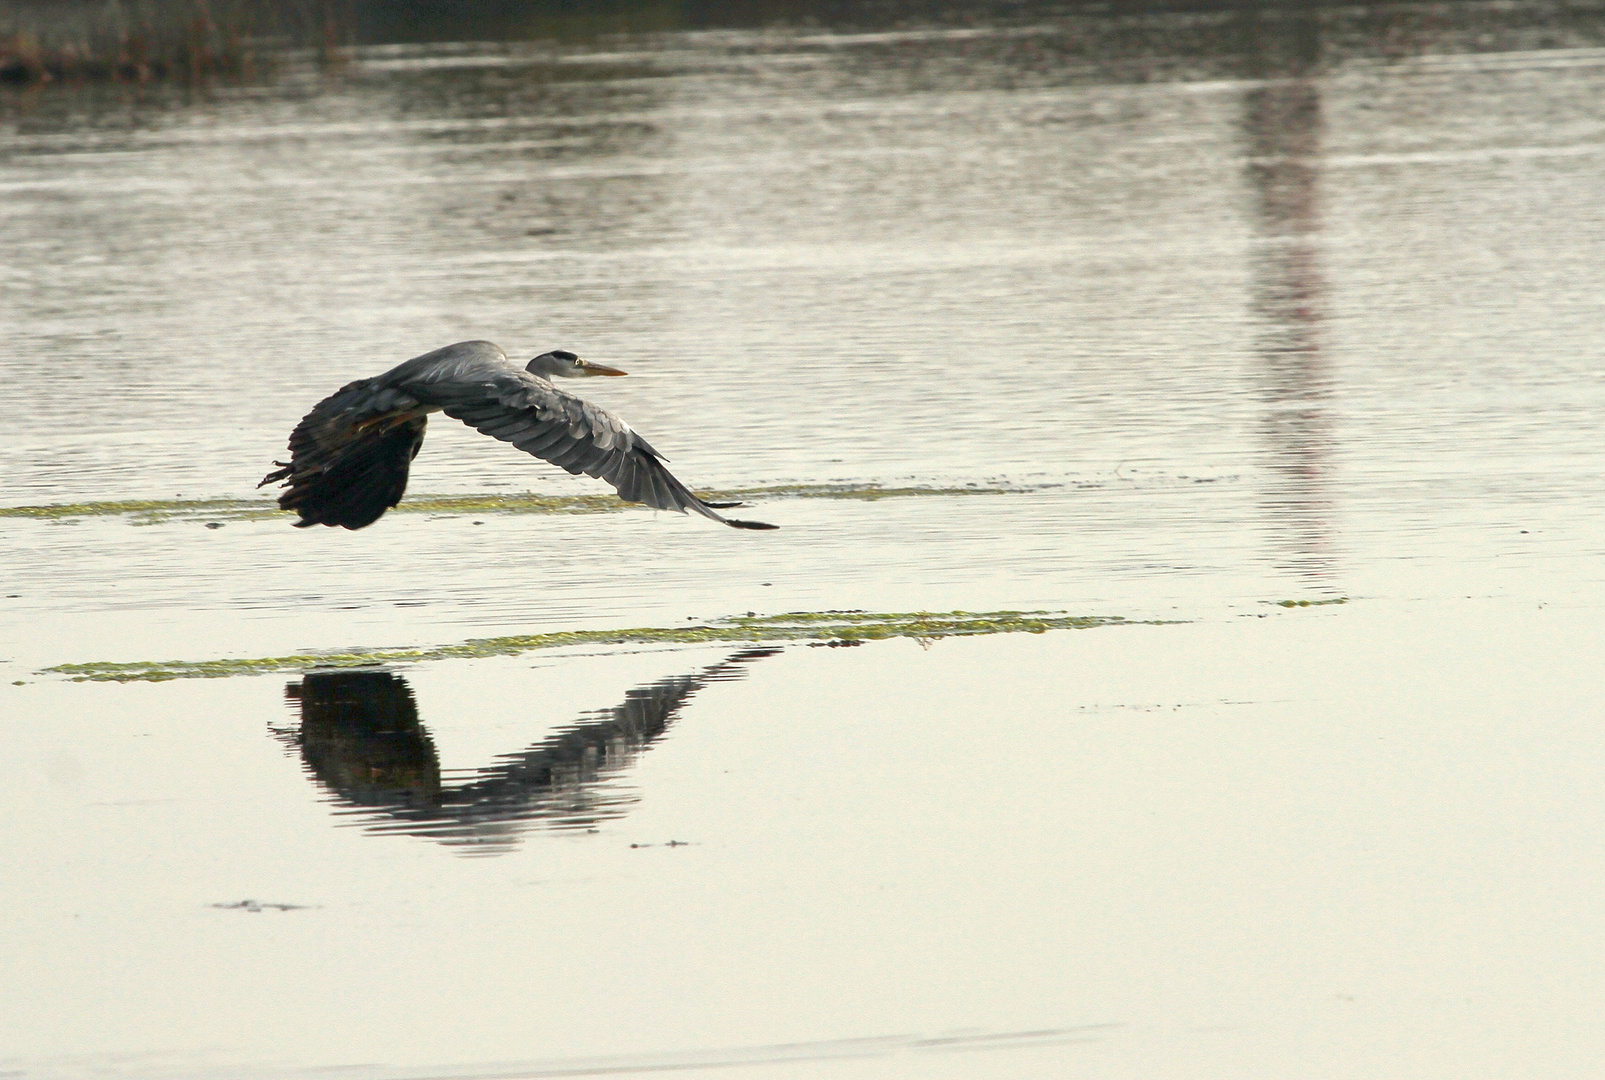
(570,432)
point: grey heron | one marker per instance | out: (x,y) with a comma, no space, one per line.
(349,456)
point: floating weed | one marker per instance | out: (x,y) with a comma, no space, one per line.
(162,511)
(836,627)
(1309,603)
(867,492)
(148,511)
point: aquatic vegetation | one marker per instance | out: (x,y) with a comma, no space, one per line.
(845,627)
(1310,603)
(162,511)
(149,511)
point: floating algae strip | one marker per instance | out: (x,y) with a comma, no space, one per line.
(160,511)
(845,627)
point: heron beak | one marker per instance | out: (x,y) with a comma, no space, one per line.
(601,369)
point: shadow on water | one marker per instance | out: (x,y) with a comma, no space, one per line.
(360,738)
(1282,127)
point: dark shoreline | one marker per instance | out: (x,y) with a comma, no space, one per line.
(189,42)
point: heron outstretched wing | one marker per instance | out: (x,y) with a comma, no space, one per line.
(350,455)
(577,435)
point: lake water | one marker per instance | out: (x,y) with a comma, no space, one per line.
(1211,321)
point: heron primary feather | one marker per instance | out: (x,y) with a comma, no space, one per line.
(349,456)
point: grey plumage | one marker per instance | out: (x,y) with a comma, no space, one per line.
(350,455)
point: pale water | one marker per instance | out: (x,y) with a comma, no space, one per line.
(1214,331)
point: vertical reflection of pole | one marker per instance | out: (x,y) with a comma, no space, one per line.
(1282,126)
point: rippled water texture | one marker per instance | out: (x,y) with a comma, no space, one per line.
(1232,314)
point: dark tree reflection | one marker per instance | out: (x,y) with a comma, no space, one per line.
(360,738)
(1282,127)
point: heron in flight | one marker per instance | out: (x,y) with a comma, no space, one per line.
(349,456)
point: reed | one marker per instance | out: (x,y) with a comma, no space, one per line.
(141,41)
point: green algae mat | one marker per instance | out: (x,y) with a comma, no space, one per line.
(161,511)
(830,627)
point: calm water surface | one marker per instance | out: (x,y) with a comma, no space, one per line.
(1307,320)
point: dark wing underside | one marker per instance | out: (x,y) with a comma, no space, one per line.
(349,456)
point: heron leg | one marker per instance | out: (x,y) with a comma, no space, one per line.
(278,474)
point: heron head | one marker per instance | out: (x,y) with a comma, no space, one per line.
(564,364)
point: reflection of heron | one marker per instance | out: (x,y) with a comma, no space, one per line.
(360,737)
(349,456)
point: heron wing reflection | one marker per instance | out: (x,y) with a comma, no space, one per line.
(360,737)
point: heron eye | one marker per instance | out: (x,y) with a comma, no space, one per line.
(578,362)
